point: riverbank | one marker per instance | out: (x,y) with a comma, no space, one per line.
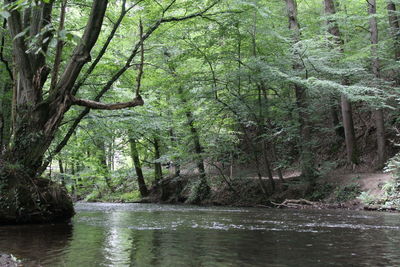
(336,190)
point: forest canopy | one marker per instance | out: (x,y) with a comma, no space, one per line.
(108,98)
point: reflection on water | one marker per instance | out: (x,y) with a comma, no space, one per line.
(157,235)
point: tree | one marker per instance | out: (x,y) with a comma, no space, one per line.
(39,111)
(306,154)
(394,22)
(378,113)
(346,107)
(138,167)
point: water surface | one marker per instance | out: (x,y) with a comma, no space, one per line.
(163,235)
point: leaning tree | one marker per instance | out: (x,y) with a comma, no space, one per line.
(44,91)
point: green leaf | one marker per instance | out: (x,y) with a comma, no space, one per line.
(5,14)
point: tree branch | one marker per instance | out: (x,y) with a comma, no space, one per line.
(140,71)
(115,77)
(81,54)
(92,66)
(138,101)
(59,48)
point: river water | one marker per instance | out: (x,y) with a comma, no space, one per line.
(163,235)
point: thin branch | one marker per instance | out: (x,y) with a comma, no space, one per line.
(60,46)
(168,7)
(81,54)
(193,15)
(103,50)
(140,71)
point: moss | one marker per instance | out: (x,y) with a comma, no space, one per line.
(200,190)
(32,200)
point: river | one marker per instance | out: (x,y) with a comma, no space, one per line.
(164,235)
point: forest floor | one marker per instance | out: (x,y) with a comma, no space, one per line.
(339,188)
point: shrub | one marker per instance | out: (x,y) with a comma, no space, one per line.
(367,198)
(347,192)
(321,191)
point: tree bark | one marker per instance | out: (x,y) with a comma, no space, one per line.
(347,114)
(157,154)
(36,120)
(61,169)
(138,167)
(305,143)
(375,64)
(394,22)
(102,160)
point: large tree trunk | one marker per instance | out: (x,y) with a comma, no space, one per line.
(23,196)
(378,114)
(305,143)
(347,114)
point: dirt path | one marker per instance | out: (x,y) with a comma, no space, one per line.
(369,182)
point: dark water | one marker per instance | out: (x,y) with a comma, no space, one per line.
(156,235)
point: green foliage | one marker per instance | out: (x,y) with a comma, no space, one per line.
(199,190)
(347,192)
(392,187)
(129,197)
(321,191)
(367,198)
(232,71)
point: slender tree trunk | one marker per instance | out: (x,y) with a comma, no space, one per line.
(305,143)
(203,189)
(175,165)
(394,22)
(347,114)
(262,127)
(157,154)
(104,167)
(378,114)
(268,166)
(61,169)
(351,145)
(339,129)
(138,167)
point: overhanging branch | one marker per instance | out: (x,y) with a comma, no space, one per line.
(138,101)
(116,76)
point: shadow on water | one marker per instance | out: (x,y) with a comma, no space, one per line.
(35,244)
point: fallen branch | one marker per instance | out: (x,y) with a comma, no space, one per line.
(295,203)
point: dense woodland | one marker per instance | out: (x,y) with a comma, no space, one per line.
(116,100)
